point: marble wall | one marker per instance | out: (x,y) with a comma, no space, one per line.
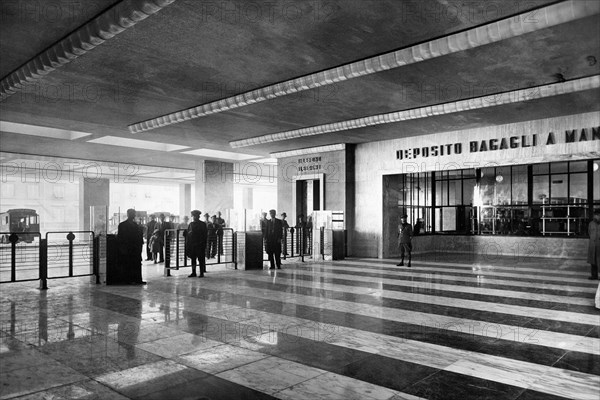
(213,186)
(336,168)
(92,192)
(493,246)
(376,159)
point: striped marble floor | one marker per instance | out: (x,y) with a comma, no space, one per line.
(451,327)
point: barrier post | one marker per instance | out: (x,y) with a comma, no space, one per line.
(234,249)
(96,258)
(184,249)
(43,264)
(219,244)
(177,249)
(302,244)
(292,242)
(13,239)
(70,238)
(167,254)
(322,242)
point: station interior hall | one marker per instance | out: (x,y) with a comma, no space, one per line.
(300,199)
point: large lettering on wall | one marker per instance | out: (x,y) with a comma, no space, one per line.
(497,144)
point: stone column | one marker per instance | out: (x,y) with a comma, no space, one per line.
(92,192)
(185,200)
(214,186)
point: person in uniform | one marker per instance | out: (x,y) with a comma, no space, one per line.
(195,244)
(405,233)
(130,239)
(594,244)
(274,235)
(149,232)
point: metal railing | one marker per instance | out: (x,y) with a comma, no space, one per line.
(296,243)
(28,257)
(220,248)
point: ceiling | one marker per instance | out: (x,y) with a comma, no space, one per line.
(192,52)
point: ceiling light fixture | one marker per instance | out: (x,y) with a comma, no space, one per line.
(482,35)
(309,150)
(515,96)
(107,25)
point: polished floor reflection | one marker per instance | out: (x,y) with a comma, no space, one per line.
(451,327)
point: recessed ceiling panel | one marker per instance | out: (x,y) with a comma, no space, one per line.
(137,144)
(34,130)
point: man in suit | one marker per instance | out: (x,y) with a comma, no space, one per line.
(149,231)
(274,235)
(195,243)
(130,239)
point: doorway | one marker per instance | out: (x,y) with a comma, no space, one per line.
(308,196)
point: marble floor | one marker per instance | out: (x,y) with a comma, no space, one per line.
(451,327)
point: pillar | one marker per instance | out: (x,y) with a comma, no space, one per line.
(92,192)
(185,200)
(214,186)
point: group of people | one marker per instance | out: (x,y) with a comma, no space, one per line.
(155,235)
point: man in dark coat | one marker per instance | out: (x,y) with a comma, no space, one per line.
(195,243)
(594,244)
(130,238)
(274,235)
(149,231)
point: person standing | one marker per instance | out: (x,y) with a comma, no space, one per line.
(285,227)
(155,244)
(213,229)
(195,243)
(274,234)
(594,244)
(130,238)
(221,225)
(163,226)
(149,232)
(405,233)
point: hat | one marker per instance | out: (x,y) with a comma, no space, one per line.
(404,216)
(196,212)
(283,214)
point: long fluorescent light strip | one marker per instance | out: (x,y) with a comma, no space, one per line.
(515,96)
(309,150)
(497,31)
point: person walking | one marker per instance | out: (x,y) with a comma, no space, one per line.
(131,240)
(594,244)
(405,233)
(149,232)
(195,244)
(274,234)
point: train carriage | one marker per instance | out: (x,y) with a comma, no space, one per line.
(20,221)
